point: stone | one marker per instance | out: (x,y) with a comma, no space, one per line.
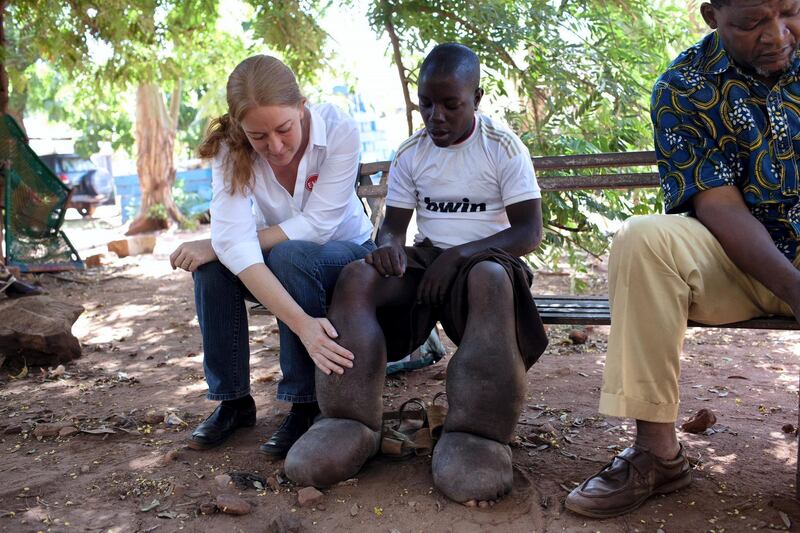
(308,496)
(701,421)
(96,260)
(273,484)
(136,245)
(788,428)
(547,427)
(230,504)
(285,523)
(169,457)
(48,430)
(12,430)
(173,421)
(578,336)
(354,510)
(37,330)
(68,431)
(85,469)
(153,417)
(223,480)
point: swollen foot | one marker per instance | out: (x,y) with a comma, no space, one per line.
(472,470)
(333,450)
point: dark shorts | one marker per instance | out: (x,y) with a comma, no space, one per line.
(406,327)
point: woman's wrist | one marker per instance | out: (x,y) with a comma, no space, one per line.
(296,319)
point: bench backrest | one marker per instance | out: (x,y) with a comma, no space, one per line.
(554,173)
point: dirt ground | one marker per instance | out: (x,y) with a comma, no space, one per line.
(142,358)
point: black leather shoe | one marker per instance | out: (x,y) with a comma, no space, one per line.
(220,425)
(291,429)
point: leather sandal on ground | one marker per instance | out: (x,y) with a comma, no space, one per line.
(406,432)
(437,412)
(627,481)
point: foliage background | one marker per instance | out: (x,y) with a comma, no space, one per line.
(576,74)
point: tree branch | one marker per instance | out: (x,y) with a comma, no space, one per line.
(175,105)
(401,70)
(504,55)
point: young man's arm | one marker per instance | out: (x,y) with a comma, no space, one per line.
(746,241)
(522,237)
(390,257)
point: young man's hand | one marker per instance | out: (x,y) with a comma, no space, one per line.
(439,276)
(192,255)
(388,260)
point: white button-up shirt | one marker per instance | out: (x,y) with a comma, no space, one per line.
(324,206)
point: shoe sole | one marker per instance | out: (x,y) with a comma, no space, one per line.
(672,486)
(199,445)
(276,455)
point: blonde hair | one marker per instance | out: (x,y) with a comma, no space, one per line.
(259,80)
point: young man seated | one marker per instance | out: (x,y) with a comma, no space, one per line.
(478,209)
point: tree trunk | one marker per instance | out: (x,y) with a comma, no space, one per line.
(155,139)
(388,24)
(3,54)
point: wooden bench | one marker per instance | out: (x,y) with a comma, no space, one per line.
(578,310)
(564,173)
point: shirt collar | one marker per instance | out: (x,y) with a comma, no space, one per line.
(318,135)
(712,58)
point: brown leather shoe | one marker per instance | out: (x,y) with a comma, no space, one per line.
(627,481)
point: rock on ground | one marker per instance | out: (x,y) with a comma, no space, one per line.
(230,504)
(38,330)
(308,496)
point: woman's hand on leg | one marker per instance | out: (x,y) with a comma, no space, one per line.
(190,256)
(317,335)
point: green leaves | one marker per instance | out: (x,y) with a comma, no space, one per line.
(290,27)
(582,70)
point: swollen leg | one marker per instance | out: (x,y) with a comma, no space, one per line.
(309,272)
(337,446)
(485,391)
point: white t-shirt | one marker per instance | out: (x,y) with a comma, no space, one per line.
(323,208)
(460,192)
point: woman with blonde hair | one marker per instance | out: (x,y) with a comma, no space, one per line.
(285,220)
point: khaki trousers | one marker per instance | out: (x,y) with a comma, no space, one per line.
(663,271)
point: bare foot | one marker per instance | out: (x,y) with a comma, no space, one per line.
(333,450)
(472,469)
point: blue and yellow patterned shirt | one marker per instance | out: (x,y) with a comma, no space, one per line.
(716,125)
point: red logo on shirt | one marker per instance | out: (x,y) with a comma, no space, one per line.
(310,181)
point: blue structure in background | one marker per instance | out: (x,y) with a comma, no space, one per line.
(192,188)
(374,144)
(194,198)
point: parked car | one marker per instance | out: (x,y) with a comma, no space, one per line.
(91,185)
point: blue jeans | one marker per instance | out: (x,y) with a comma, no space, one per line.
(308,271)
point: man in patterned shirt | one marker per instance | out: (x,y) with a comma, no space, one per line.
(726,116)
